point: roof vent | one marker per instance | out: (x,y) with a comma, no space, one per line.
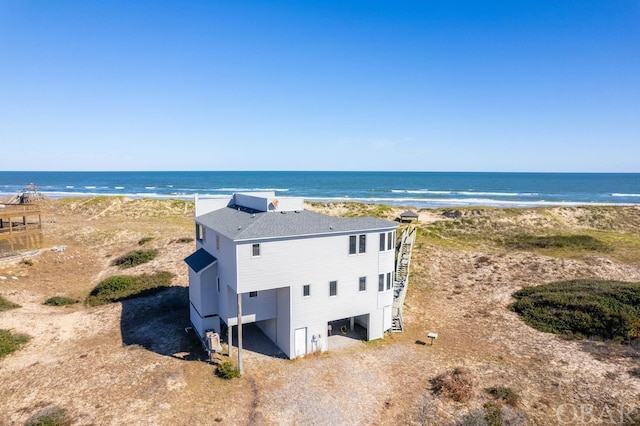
(330,227)
(297,211)
(283,212)
(253,215)
(239,227)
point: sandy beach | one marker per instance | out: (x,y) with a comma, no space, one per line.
(133,362)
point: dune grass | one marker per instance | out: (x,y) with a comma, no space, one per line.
(122,287)
(582,308)
(60,301)
(11,342)
(134,258)
(568,242)
(6,305)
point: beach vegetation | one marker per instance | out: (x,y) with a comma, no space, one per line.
(122,287)
(6,305)
(145,240)
(456,384)
(505,394)
(570,242)
(53,416)
(134,258)
(227,370)
(60,301)
(581,308)
(184,240)
(11,342)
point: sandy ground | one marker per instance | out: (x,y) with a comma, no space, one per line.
(134,363)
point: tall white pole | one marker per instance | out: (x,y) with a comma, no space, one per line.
(240,369)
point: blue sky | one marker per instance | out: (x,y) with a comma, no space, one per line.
(334,85)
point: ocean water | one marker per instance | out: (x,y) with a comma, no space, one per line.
(411,189)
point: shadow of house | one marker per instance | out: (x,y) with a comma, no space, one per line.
(254,340)
(160,323)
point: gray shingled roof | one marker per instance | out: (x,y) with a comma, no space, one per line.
(240,225)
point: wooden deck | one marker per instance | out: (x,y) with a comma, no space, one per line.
(20,227)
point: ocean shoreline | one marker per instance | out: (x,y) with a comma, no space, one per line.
(411,189)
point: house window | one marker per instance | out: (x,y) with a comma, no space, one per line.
(255,250)
(306,290)
(390,241)
(388,280)
(200,234)
(357,244)
(253,294)
(218,283)
(352,244)
(363,284)
(381,282)
(382,242)
(218,242)
(333,288)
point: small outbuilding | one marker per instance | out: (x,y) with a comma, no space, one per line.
(408,216)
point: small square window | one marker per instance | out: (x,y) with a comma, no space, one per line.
(381,282)
(306,290)
(333,288)
(362,286)
(253,294)
(255,250)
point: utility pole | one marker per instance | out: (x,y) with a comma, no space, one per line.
(240,369)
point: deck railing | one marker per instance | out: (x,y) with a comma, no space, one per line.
(11,209)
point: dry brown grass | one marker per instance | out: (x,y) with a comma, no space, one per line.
(456,384)
(133,362)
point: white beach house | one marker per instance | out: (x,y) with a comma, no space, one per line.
(295,270)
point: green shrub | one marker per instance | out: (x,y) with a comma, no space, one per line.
(144,240)
(135,258)
(508,395)
(60,301)
(574,242)
(10,342)
(581,308)
(50,417)
(227,371)
(184,240)
(492,414)
(122,287)
(5,305)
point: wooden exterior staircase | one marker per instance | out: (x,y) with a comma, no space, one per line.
(401,279)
